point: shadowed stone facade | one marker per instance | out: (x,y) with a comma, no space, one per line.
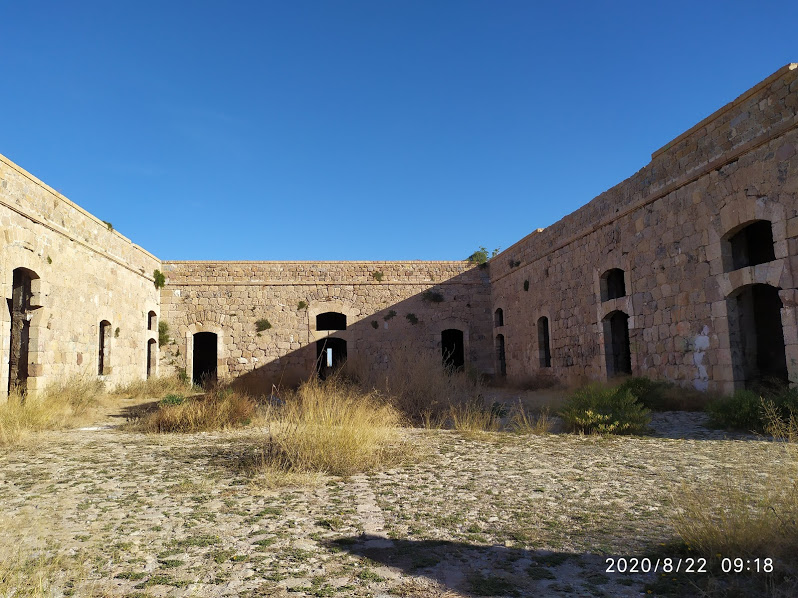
(686,271)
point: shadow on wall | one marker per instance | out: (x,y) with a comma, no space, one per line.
(454,327)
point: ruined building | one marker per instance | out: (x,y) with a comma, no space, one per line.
(686,271)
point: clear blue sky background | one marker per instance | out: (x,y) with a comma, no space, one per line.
(412,129)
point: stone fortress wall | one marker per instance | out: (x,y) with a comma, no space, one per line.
(699,311)
(379,300)
(63,272)
(685,272)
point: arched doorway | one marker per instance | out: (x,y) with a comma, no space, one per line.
(756,336)
(152,357)
(544,348)
(453,349)
(19,309)
(330,355)
(205,358)
(500,355)
(616,344)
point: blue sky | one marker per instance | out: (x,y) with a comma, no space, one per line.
(412,129)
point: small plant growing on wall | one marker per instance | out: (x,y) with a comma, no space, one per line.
(412,318)
(301,305)
(432,296)
(514,263)
(262,324)
(377,275)
(375,324)
(116,332)
(389,315)
(158,279)
(526,285)
(49,260)
(163,333)
(108,225)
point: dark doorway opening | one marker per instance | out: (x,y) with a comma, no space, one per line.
(751,245)
(544,350)
(104,349)
(19,308)
(612,284)
(205,359)
(498,317)
(152,356)
(616,344)
(453,349)
(331,320)
(756,336)
(330,356)
(500,355)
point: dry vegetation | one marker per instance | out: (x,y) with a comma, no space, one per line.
(333,427)
(323,492)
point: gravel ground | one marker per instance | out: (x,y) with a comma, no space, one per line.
(106,512)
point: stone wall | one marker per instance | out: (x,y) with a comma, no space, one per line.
(667,227)
(228,298)
(80,273)
(686,271)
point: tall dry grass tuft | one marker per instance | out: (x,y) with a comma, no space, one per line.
(219,409)
(522,421)
(151,388)
(66,404)
(731,520)
(333,427)
(416,383)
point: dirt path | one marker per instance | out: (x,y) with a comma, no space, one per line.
(105,512)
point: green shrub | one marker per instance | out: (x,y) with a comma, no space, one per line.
(389,315)
(412,318)
(597,409)
(377,275)
(172,399)
(432,296)
(158,279)
(744,410)
(262,324)
(740,411)
(163,333)
(301,305)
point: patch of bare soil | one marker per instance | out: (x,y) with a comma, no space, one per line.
(106,512)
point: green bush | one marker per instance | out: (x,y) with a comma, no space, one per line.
(744,410)
(163,333)
(597,409)
(262,324)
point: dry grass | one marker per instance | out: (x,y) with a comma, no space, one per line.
(217,410)
(745,513)
(473,416)
(419,386)
(62,405)
(332,427)
(151,388)
(523,422)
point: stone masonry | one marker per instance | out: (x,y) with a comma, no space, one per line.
(687,271)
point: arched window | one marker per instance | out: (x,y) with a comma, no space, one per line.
(331,320)
(612,284)
(748,246)
(151,318)
(544,349)
(498,317)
